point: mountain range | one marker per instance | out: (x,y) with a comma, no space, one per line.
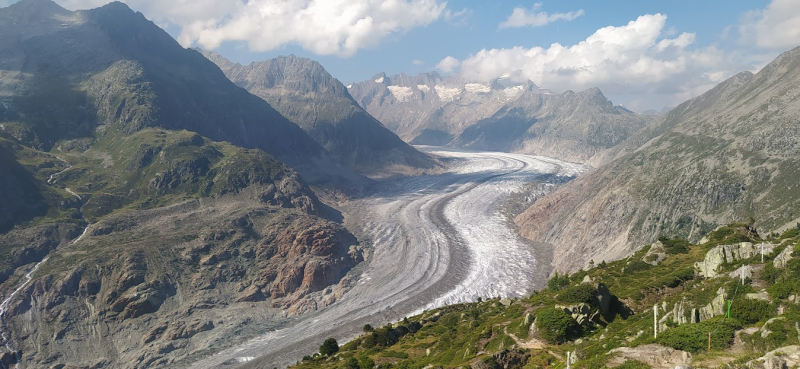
(729,154)
(507,114)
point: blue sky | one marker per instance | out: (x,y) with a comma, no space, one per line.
(643,54)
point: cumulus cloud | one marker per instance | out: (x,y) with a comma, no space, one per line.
(624,60)
(776,27)
(448,64)
(534,17)
(324,27)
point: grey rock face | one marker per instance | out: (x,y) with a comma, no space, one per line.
(507,114)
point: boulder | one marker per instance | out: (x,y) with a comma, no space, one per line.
(761,295)
(657,356)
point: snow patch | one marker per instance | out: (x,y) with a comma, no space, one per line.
(447,94)
(349,86)
(477,88)
(379,80)
(423,88)
(401,93)
(513,91)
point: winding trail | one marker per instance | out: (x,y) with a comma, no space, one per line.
(436,240)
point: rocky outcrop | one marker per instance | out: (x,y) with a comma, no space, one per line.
(685,176)
(784,357)
(724,254)
(656,356)
(685,312)
(718,306)
(590,314)
(678,314)
(782,259)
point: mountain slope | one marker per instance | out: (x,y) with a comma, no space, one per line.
(73,74)
(507,114)
(729,154)
(304,92)
(128,236)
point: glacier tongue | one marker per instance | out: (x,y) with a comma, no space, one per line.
(435,240)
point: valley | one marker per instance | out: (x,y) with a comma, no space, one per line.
(434,240)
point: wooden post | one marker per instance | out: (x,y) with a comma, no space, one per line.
(762,252)
(568,359)
(655,321)
(709,341)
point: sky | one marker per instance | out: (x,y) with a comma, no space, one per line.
(642,54)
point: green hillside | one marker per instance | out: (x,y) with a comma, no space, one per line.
(610,307)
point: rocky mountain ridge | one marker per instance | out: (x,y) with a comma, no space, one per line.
(304,92)
(146,219)
(506,114)
(727,154)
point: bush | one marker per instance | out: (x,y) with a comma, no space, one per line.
(329,347)
(633,364)
(351,363)
(770,274)
(558,282)
(556,326)
(751,311)
(582,293)
(677,278)
(781,290)
(694,337)
(636,266)
(675,245)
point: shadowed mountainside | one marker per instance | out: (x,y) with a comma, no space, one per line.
(304,92)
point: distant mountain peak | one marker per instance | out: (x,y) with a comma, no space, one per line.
(37,9)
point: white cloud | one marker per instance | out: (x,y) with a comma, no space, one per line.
(626,60)
(324,27)
(776,27)
(448,64)
(534,17)
(417,62)
(459,18)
